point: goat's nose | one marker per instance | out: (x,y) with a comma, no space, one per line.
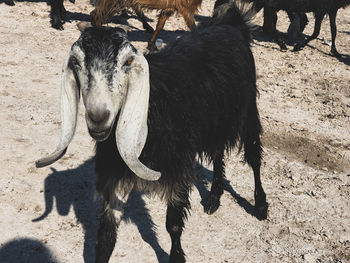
(98,114)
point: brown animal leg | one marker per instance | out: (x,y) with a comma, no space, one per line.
(164,15)
(103,10)
(189,19)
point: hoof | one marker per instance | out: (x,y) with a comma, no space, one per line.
(283,47)
(9,2)
(177,256)
(212,204)
(261,210)
(297,47)
(335,53)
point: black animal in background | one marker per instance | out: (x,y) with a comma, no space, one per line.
(298,21)
(152,115)
(319,7)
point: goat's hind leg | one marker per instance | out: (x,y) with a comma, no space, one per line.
(318,21)
(269,27)
(217,188)
(176,214)
(252,155)
(332,19)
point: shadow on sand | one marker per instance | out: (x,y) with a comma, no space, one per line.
(25,250)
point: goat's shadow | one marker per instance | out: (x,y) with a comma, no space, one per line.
(25,250)
(76,188)
(205,176)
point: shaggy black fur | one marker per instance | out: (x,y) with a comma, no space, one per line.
(319,7)
(202,103)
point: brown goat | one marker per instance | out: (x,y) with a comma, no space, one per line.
(187,8)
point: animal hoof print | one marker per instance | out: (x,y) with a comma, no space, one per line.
(212,204)
(261,210)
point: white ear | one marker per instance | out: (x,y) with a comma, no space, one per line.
(131,132)
(69,110)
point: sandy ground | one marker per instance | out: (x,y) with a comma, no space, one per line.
(49,215)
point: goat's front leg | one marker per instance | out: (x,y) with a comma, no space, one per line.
(176,213)
(111,213)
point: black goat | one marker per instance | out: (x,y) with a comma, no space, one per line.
(298,20)
(319,7)
(197,96)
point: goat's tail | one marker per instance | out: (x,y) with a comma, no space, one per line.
(235,13)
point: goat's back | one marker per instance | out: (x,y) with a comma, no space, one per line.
(201,88)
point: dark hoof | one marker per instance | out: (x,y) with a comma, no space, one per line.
(212,204)
(297,47)
(261,210)
(283,47)
(58,26)
(177,256)
(335,53)
(9,2)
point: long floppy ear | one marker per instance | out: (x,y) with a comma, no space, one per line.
(69,111)
(131,132)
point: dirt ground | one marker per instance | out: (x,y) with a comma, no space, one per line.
(49,215)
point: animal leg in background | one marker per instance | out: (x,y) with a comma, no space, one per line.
(269,27)
(106,9)
(163,17)
(332,19)
(176,214)
(252,155)
(217,188)
(298,22)
(57,14)
(318,21)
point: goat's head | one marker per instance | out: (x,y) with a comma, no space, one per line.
(113,77)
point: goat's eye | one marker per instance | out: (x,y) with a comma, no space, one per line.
(129,61)
(75,61)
